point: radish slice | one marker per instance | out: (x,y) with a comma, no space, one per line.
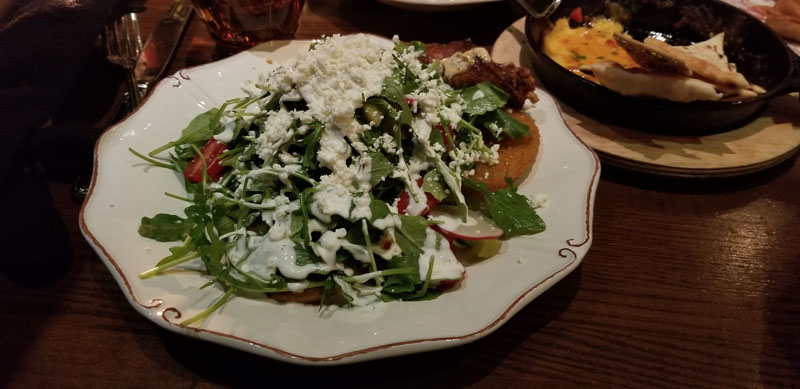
(477,226)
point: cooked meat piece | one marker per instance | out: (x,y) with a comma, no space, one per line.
(439,51)
(516,81)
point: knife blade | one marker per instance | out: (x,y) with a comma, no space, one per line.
(161,45)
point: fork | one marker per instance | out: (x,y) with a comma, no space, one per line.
(123,47)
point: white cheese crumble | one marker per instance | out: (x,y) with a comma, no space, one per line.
(335,77)
(539,200)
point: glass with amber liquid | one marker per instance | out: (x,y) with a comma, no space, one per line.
(240,24)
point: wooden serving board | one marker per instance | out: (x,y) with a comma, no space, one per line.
(771,138)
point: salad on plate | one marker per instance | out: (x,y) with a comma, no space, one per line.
(358,172)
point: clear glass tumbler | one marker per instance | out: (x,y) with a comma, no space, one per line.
(240,24)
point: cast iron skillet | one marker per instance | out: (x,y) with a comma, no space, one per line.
(759,54)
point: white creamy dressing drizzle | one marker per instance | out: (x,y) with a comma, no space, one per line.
(228,127)
(331,241)
(391,220)
(359,295)
(297,287)
(418,206)
(334,80)
(445,264)
(232,123)
(267,256)
(280,218)
(331,201)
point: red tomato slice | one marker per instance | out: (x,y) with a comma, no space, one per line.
(445,138)
(576,15)
(211,151)
(405,199)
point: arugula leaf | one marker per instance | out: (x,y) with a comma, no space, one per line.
(201,128)
(401,47)
(393,91)
(410,236)
(408,79)
(379,210)
(381,168)
(305,205)
(181,251)
(208,311)
(483,97)
(499,118)
(302,255)
(164,227)
(252,283)
(196,213)
(510,211)
(454,183)
(312,146)
(180,254)
(431,183)
(213,252)
(437,137)
(326,291)
(424,290)
(225,217)
(404,286)
(402,283)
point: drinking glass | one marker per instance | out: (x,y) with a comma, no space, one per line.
(240,24)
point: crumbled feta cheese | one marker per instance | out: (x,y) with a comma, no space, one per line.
(335,77)
(539,200)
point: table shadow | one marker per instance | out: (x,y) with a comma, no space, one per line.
(695,185)
(15,336)
(455,367)
(781,313)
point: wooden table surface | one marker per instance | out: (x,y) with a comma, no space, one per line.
(687,284)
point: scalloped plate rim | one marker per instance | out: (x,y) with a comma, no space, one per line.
(151,308)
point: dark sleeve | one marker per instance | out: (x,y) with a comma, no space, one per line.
(43,45)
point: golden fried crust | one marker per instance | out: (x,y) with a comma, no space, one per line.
(308,296)
(516,156)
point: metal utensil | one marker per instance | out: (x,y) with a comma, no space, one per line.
(160,45)
(123,47)
(548,5)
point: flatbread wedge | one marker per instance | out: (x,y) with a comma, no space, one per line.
(652,58)
(699,66)
(710,50)
(667,86)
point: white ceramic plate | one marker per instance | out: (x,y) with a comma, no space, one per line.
(435,5)
(124,189)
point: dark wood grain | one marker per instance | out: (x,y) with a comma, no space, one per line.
(687,284)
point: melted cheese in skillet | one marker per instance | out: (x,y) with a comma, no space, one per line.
(575,47)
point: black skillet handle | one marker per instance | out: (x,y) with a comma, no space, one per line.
(792,83)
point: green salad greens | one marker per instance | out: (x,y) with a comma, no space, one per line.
(320,178)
